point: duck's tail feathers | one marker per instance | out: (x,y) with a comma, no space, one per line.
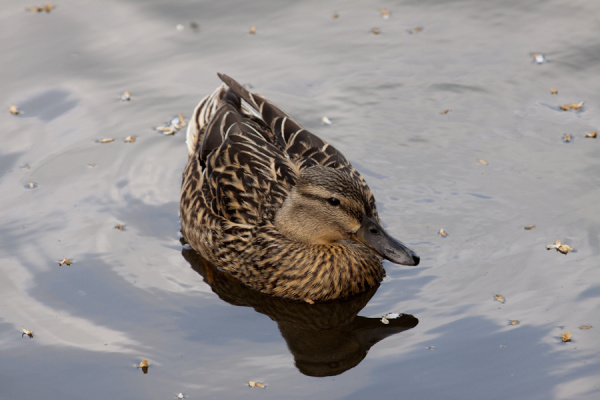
(203,113)
(273,116)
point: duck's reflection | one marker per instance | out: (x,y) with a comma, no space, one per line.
(325,338)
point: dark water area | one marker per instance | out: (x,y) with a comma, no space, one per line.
(413,109)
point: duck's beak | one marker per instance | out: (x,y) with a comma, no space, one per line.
(372,235)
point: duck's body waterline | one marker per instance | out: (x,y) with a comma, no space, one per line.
(277,207)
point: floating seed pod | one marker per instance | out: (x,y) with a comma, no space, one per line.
(560,247)
(27,332)
(65,261)
(572,106)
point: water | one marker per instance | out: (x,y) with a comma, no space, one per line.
(131,294)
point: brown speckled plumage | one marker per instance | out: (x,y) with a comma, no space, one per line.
(240,171)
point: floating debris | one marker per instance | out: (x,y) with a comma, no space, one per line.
(173,126)
(180,27)
(446,111)
(181,120)
(13,110)
(143,363)
(167,130)
(194,26)
(375,31)
(566,337)
(31,185)
(106,140)
(326,121)
(567,138)
(335,16)
(482,161)
(514,322)
(591,135)
(92,165)
(65,261)
(415,30)
(385,13)
(572,106)
(386,318)
(144,366)
(180,396)
(46,7)
(431,348)
(126,96)
(559,246)
(499,298)
(252,30)
(553,91)
(120,227)
(584,327)
(27,332)
(130,139)
(529,227)
(26,166)
(253,384)
(539,58)
(442,232)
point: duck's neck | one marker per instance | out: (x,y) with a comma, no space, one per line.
(314,272)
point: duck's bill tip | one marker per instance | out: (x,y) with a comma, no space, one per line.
(412,260)
(376,238)
(398,253)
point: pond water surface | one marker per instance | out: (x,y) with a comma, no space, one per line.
(136,293)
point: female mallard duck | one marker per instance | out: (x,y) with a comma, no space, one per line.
(277,207)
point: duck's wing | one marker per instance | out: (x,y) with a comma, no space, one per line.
(248,177)
(297,142)
(300,145)
(245,175)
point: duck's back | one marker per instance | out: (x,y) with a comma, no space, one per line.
(250,162)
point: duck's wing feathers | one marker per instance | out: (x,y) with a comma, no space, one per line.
(247,176)
(300,144)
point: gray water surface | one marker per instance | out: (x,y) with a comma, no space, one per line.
(132,294)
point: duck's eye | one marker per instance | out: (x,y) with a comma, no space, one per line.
(333,201)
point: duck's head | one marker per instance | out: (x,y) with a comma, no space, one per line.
(328,205)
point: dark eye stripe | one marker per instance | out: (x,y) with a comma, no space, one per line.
(353,213)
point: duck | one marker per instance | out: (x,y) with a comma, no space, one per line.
(276,207)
